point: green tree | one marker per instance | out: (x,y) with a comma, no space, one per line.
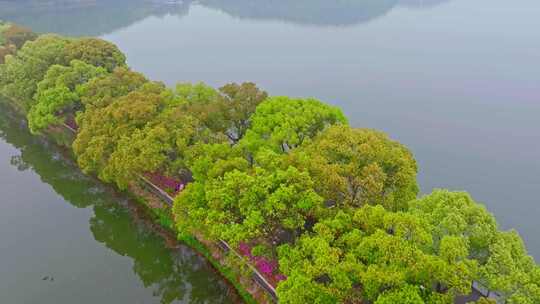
(238,103)
(101,91)
(301,289)
(391,263)
(16,35)
(406,295)
(101,130)
(200,100)
(354,167)
(97,52)
(48,110)
(227,110)
(503,263)
(320,262)
(21,73)
(253,204)
(12,38)
(443,263)
(57,93)
(451,270)
(373,253)
(407,226)
(457,214)
(6,50)
(282,123)
(3,27)
(510,271)
(212,161)
(163,145)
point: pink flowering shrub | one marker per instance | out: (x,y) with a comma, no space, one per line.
(70,122)
(169,184)
(266,267)
(245,250)
(280,277)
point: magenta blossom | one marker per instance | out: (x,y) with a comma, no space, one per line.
(280,277)
(266,267)
(245,250)
(169,184)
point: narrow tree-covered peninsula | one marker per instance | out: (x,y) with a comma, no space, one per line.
(326,212)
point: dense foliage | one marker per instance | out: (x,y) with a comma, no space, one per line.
(20,75)
(354,167)
(12,38)
(282,123)
(57,93)
(329,213)
(101,91)
(103,128)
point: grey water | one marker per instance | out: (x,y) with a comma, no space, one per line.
(457,81)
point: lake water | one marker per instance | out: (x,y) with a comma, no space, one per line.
(457,81)
(65,238)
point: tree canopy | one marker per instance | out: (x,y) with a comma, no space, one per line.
(256,196)
(192,116)
(373,254)
(101,91)
(445,240)
(511,271)
(12,38)
(102,128)
(22,72)
(13,34)
(259,204)
(353,167)
(227,110)
(407,295)
(283,123)
(163,145)
(97,52)
(57,93)
(238,102)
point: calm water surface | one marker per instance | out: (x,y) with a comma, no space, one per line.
(457,81)
(66,239)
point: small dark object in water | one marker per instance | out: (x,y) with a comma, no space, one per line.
(52,279)
(45,278)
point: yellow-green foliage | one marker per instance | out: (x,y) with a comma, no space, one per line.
(3,27)
(13,37)
(57,93)
(102,128)
(22,73)
(354,167)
